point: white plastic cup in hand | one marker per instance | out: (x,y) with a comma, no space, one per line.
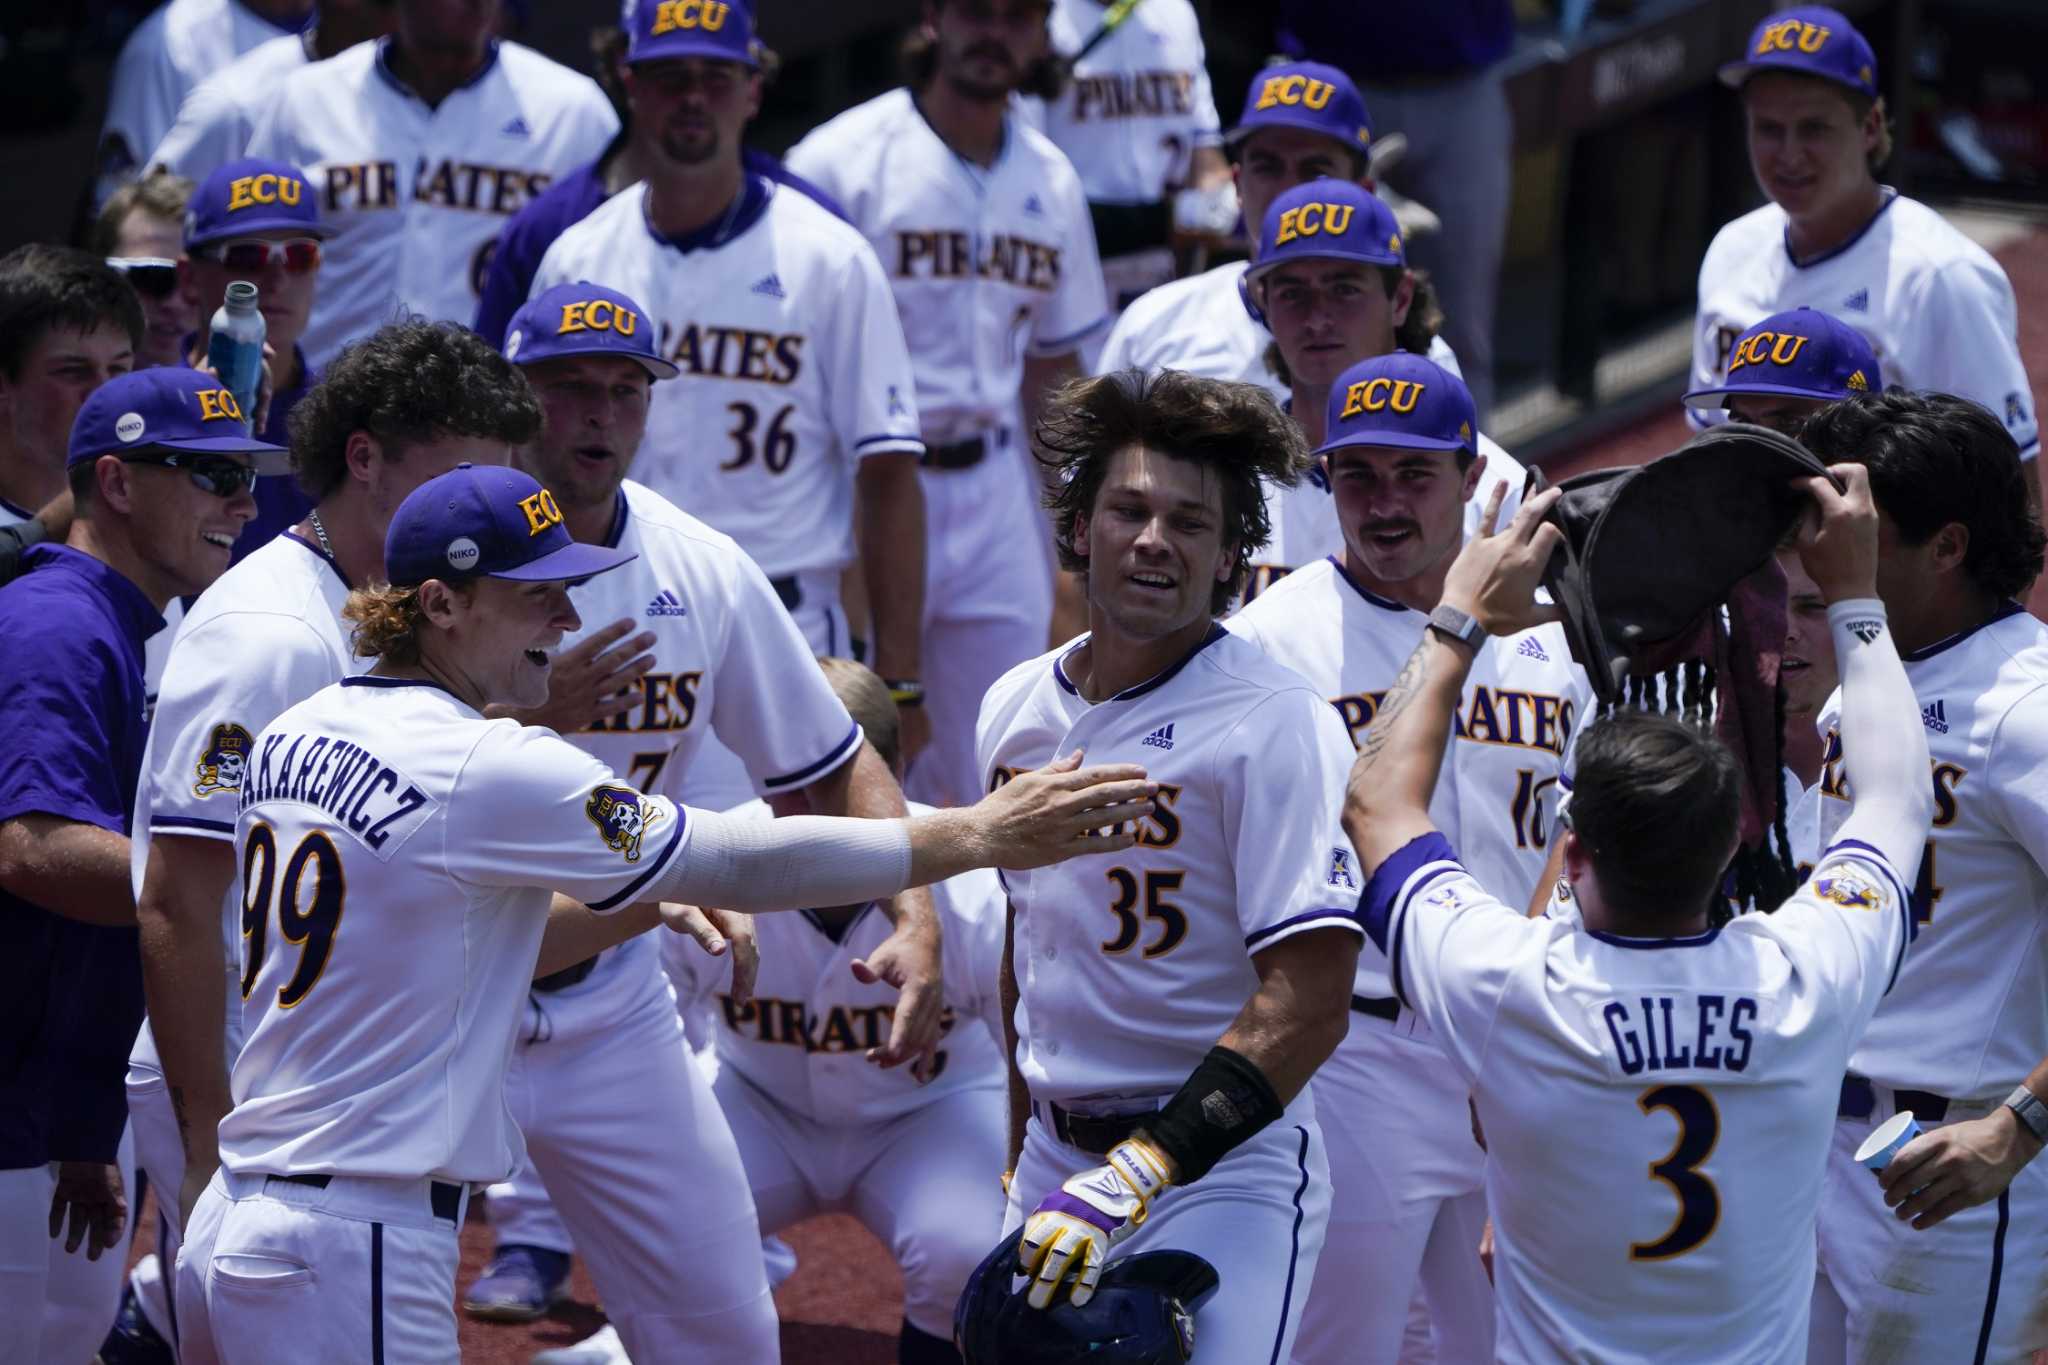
(1886,1139)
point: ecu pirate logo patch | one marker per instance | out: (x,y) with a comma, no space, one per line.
(1849,889)
(224,761)
(623,817)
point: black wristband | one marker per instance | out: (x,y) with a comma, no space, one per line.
(1225,1102)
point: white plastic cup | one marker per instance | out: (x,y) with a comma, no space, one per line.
(1884,1141)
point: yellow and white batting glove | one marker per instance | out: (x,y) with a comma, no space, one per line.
(1076,1225)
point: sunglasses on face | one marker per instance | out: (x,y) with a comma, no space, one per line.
(297,256)
(215,474)
(150,276)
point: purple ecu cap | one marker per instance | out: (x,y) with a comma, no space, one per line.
(722,30)
(167,407)
(487,521)
(1328,219)
(1812,40)
(584,319)
(250,196)
(1801,354)
(1400,400)
(1305,95)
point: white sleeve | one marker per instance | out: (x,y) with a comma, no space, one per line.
(872,389)
(813,159)
(1965,341)
(142,102)
(2018,758)
(1281,772)
(972,908)
(531,809)
(1205,125)
(1451,946)
(210,132)
(1891,800)
(1080,303)
(597,125)
(1848,924)
(226,680)
(772,705)
(273,136)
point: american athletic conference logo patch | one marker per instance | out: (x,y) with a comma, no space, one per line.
(224,761)
(623,817)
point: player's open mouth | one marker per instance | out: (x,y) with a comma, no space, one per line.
(225,540)
(1156,581)
(1789,664)
(595,454)
(1388,535)
(537,657)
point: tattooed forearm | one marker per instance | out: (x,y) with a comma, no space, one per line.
(184,1120)
(1398,699)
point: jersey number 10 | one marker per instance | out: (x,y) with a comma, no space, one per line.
(307,915)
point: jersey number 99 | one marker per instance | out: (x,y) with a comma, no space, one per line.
(308,903)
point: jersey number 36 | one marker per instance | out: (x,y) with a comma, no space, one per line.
(309,895)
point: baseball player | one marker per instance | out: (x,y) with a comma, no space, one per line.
(370,1089)
(1405,1176)
(1333,286)
(1966,1021)
(408,403)
(168,54)
(1229,924)
(602,1084)
(1937,310)
(422,144)
(1655,1093)
(983,228)
(216,119)
(1136,118)
(1788,367)
(138,232)
(794,426)
(160,468)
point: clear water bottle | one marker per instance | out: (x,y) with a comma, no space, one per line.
(234,347)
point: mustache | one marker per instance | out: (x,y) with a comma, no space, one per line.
(1373,528)
(993,51)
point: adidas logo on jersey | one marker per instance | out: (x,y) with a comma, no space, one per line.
(1858,302)
(771,285)
(1934,716)
(1162,738)
(516,128)
(1530,649)
(666,603)
(1866,631)
(2015,410)
(1033,207)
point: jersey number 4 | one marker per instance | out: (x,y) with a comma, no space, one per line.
(1699,1203)
(309,898)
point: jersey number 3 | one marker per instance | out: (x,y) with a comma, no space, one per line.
(309,897)
(1699,1203)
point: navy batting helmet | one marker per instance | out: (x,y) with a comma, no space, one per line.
(1142,1313)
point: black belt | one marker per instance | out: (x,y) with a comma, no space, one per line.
(1859,1101)
(787,589)
(1121,229)
(1378,1006)
(959,455)
(1094,1135)
(447,1198)
(565,978)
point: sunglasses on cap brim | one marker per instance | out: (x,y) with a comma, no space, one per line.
(297,256)
(215,474)
(150,276)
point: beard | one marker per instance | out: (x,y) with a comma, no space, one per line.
(688,148)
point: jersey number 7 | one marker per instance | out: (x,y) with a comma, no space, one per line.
(309,900)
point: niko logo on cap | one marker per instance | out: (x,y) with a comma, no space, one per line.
(1294,89)
(541,511)
(130,427)
(595,315)
(463,553)
(671,15)
(1382,394)
(249,190)
(1310,220)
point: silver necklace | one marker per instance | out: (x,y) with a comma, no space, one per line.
(320,533)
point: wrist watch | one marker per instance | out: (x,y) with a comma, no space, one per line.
(1456,625)
(2032,1114)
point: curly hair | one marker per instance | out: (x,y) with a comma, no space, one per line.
(389,622)
(1235,430)
(405,384)
(1934,459)
(46,287)
(1416,334)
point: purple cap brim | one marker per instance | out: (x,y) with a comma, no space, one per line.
(249,227)
(663,49)
(1266,267)
(1735,75)
(264,457)
(571,561)
(1307,123)
(655,366)
(1713,398)
(1394,440)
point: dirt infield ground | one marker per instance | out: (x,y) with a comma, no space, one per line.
(844,1303)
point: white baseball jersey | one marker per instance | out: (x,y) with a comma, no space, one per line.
(1131,965)
(794,365)
(417,195)
(1497,795)
(987,264)
(727,659)
(1969,1016)
(1136,106)
(218,117)
(1200,325)
(802,1039)
(1657,1111)
(168,54)
(267,635)
(399,852)
(1934,306)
